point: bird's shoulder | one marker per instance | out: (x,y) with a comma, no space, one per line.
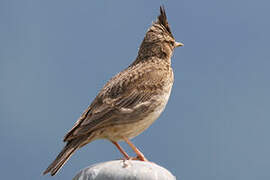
(141,77)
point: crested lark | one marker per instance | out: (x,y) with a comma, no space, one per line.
(131,101)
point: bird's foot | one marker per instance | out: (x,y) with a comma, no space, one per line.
(139,158)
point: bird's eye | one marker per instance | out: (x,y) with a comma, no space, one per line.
(172,43)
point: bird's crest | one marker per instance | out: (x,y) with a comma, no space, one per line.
(162,20)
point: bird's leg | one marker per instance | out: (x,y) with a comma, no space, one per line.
(121,150)
(140,155)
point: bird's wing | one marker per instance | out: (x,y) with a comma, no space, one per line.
(123,95)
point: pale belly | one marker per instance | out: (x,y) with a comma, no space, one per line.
(131,130)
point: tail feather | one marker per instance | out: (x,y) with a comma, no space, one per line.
(62,157)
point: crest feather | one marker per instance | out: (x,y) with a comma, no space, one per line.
(162,19)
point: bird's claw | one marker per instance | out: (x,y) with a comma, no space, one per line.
(139,158)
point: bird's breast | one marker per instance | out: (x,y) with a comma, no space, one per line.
(130,130)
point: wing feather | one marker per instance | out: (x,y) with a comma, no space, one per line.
(120,101)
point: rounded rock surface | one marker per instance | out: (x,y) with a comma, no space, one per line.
(124,170)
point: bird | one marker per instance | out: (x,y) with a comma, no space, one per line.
(130,101)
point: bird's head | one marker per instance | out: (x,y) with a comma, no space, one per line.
(159,40)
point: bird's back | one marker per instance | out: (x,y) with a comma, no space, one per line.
(140,91)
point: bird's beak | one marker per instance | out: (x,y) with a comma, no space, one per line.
(178,44)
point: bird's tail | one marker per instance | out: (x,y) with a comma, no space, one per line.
(63,156)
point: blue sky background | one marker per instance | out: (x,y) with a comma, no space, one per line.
(56,55)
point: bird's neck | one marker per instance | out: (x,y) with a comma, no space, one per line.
(149,53)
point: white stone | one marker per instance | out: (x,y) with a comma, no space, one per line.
(123,170)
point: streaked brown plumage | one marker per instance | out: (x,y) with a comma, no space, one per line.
(131,101)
